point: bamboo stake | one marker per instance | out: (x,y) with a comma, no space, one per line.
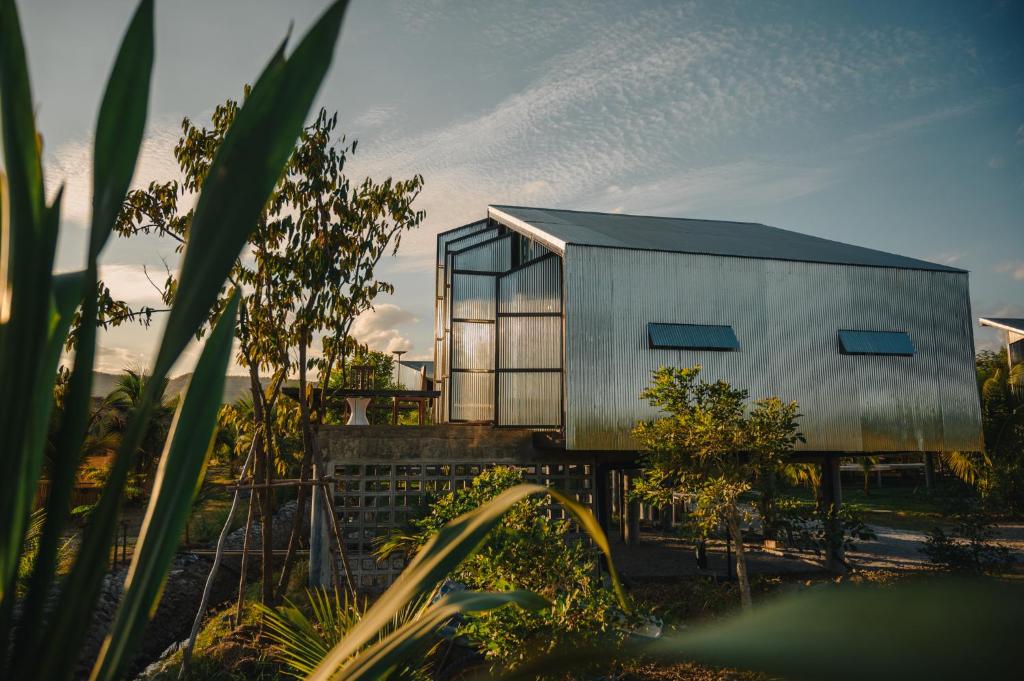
(187,654)
(245,559)
(337,540)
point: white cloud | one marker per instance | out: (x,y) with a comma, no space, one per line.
(996,162)
(131,284)
(379,328)
(71,164)
(1014,269)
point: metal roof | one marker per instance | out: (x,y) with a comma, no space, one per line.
(558,228)
(1014,324)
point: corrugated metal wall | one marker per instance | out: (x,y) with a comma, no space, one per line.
(529,345)
(786,316)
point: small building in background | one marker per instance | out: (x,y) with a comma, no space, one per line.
(414,374)
(555,320)
(1013,333)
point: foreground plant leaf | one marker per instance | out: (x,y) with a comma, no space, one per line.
(181,471)
(457,541)
(940,629)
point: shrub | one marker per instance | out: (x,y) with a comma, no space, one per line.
(968,546)
(527,550)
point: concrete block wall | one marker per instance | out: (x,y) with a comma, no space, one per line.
(388,474)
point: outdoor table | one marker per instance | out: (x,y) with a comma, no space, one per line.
(358,400)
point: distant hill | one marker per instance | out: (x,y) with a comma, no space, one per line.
(234,386)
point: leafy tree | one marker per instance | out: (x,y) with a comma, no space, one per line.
(307,272)
(710,445)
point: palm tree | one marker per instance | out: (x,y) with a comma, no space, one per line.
(122,401)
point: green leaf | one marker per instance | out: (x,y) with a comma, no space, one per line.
(392,651)
(121,122)
(247,165)
(26,255)
(241,178)
(455,542)
(936,630)
(177,479)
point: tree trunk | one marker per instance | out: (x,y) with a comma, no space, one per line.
(741,558)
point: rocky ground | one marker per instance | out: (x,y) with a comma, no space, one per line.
(181,596)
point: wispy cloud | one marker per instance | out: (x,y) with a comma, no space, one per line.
(633,101)
(1014,269)
(70,164)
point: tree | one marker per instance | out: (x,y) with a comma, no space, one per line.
(712,446)
(307,272)
(123,401)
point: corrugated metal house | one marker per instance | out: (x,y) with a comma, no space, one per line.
(555,319)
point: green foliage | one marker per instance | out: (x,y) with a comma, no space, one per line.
(36,311)
(712,447)
(526,550)
(968,547)
(303,641)
(444,552)
(806,526)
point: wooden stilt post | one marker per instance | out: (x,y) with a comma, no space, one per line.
(632,512)
(929,471)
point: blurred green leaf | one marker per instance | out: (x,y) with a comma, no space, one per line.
(181,470)
(121,122)
(937,629)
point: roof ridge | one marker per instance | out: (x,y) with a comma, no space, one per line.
(633,215)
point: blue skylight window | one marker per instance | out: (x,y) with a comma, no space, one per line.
(691,337)
(852,342)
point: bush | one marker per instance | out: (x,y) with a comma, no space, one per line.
(527,550)
(805,527)
(968,546)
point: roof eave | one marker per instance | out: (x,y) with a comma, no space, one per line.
(548,240)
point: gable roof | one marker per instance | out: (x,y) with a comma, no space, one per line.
(558,228)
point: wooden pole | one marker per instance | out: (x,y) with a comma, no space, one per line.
(186,655)
(631,510)
(245,559)
(831,503)
(342,553)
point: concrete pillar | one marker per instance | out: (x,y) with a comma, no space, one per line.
(631,521)
(321,564)
(831,502)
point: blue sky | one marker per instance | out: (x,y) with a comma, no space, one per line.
(898,126)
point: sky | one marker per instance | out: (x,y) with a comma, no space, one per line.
(896,126)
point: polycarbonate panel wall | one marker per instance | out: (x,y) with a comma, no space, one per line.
(786,316)
(473,396)
(530,399)
(529,345)
(472,322)
(460,237)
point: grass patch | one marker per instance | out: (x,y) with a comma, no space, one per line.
(224,652)
(902,507)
